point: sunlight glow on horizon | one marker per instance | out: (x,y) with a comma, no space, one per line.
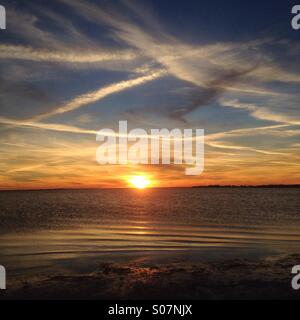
(139,182)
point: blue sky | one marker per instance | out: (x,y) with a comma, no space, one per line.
(70,68)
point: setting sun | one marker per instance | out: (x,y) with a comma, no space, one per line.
(139,182)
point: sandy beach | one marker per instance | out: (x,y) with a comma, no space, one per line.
(268,278)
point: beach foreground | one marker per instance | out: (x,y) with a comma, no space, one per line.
(268,278)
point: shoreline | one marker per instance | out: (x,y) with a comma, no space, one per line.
(267,278)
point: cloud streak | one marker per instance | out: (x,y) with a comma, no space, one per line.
(198,64)
(92,57)
(261,113)
(214,89)
(46,126)
(97,95)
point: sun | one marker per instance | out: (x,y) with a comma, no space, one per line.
(139,182)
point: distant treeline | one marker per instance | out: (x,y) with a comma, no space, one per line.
(255,186)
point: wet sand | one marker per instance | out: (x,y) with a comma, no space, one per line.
(268,278)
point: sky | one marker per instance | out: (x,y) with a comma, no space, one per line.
(70,68)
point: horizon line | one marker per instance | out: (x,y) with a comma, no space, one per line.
(179,187)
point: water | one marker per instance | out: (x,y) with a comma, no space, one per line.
(42,228)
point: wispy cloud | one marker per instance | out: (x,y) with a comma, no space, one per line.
(243,148)
(68,47)
(42,55)
(247,131)
(235,67)
(46,126)
(210,93)
(261,113)
(93,96)
(200,64)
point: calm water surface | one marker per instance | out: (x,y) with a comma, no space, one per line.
(40,227)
